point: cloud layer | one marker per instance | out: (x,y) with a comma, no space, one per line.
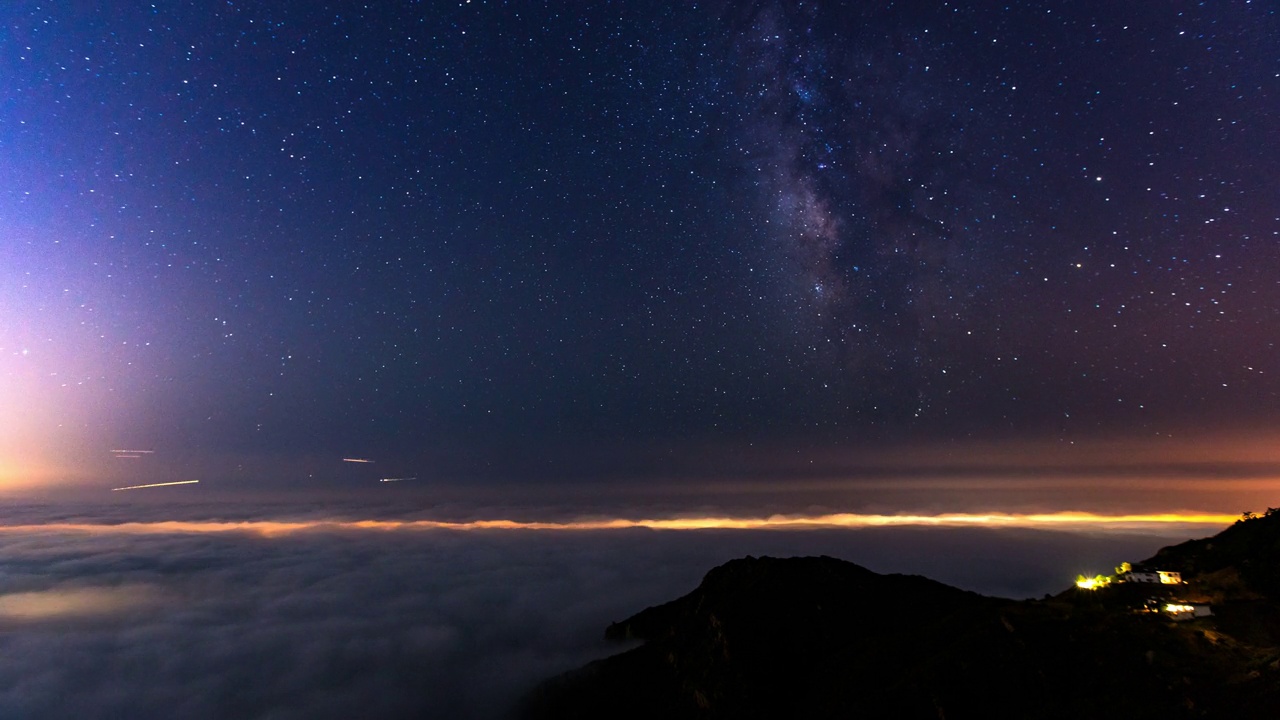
(402,624)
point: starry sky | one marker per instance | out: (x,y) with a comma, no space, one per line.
(608,242)
(616,291)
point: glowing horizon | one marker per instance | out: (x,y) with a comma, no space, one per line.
(1067,520)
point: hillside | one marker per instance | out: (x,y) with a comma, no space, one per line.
(820,637)
(1249,549)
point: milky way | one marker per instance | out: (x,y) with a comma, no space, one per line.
(1009,215)
(423,340)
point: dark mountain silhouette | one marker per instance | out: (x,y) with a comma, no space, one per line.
(817,637)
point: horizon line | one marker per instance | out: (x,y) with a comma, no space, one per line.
(1059,520)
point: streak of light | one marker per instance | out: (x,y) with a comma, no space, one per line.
(135,452)
(151,485)
(356,460)
(396,479)
(1057,521)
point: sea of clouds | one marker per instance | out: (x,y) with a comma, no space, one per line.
(404,623)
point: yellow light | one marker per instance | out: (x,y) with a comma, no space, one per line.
(1066,520)
(1092,583)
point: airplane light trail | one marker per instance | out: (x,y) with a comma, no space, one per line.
(268,528)
(396,479)
(153,485)
(356,460)
(134,452)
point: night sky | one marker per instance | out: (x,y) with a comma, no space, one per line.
(537,242)
(616,292)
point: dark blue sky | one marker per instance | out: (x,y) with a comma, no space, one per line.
(531,240)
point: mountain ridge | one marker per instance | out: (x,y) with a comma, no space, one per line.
(822,637)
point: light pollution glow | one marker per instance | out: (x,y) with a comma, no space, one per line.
(1056,521)
(72,602)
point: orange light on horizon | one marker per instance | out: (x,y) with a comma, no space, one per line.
(1056,521)
(18,474)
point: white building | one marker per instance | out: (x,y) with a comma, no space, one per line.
(1179,612)
(1161,577)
